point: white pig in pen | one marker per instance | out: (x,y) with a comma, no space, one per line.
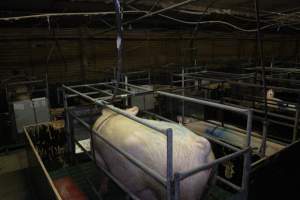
(150,147)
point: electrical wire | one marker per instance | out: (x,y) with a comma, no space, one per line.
(217,22)
(64,14)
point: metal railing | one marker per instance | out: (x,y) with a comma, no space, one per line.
(246,80)
(172,180)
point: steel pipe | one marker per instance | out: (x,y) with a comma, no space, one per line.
(184,175)
(203,102)
(136,162)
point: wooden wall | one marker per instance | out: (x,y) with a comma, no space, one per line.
(82,54)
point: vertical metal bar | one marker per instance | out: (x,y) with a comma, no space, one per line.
(119,41)
(176,186)
(246,174)
(172,81)
(67,123)
(65,99)
(149,78)
(247,158)
(183,93)
(71,139)
(263,146)
(249,127)
(126,88)
(295,131)
(47,89)
(260,51)
(93,143)
(169,133)
(222,101)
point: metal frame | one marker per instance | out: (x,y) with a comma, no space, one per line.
(245,80)
(137,77)
(173,179)
(12,83)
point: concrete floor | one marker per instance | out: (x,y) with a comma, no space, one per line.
(13,182)
(13,186)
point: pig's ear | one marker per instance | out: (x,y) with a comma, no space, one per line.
(133,111)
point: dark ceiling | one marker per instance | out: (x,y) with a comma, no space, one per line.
(85,5)
(239,12)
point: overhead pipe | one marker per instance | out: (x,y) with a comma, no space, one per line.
(261,63)
(119,41)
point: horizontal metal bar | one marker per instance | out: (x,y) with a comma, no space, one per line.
(259,111)
(254,164)
(203,102)
(291,90)
(275,69)
(25,83)
(274,101)
(117,110)
(134,86)
(76,95)
(221,142)
(120,89)
(84,85)
(268,87)
(135,72)
(275,122)
(275,115)
(205,135)
(134,118)
(139,79)
(158,116)
(232,185)
(283,80)
(184,175)
(185,80)
(99,90)
(123,96)
(39,90)
(130,158)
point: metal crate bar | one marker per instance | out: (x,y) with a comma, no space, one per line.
(136,162)
(169,180)
(203,102)
(184,175)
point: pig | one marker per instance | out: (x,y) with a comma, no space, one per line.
(277,103)
(149,147)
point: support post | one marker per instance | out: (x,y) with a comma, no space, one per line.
(247,158)
(295,130)
(262,150)
(177,186)
(183,93)
(169,133)
(71,139)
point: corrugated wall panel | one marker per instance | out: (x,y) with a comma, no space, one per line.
(36,51)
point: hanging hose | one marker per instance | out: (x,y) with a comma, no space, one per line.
(119,41)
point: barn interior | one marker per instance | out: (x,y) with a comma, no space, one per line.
(224,70)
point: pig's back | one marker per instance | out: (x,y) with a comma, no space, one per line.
(149,147)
